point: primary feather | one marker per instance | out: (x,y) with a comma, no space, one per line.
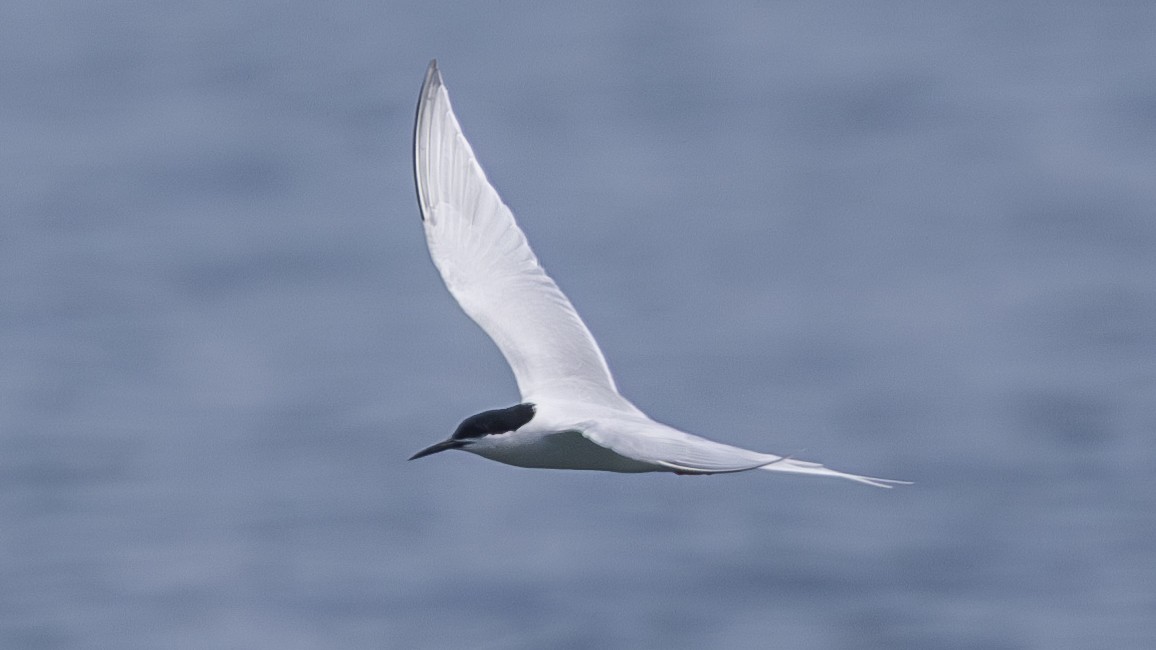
(489,268)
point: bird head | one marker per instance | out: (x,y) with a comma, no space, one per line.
(483,424)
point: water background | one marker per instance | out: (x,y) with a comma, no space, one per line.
(909,239)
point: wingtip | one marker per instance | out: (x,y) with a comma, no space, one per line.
(429,88)
(433,75)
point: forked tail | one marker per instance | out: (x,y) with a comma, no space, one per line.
(794,466)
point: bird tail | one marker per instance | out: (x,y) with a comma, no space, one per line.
(794,466)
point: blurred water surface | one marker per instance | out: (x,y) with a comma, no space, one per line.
(909,239)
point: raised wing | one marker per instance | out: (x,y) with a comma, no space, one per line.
(489,268)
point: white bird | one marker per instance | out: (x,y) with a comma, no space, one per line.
(571,415)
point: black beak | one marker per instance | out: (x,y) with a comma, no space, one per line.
(441,446)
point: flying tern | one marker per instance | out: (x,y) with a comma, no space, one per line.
(571,415)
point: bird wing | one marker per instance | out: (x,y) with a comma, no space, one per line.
(652,443)
(647,441)
(488,266)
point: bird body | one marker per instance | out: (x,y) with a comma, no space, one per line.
(571,415)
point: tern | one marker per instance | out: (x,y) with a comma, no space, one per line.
(571,415)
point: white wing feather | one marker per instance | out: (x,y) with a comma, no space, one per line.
(489,268)
(650,442)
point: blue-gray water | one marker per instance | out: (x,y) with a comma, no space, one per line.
(914,240)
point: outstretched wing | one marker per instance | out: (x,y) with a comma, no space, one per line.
(684,453)
(489,268)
